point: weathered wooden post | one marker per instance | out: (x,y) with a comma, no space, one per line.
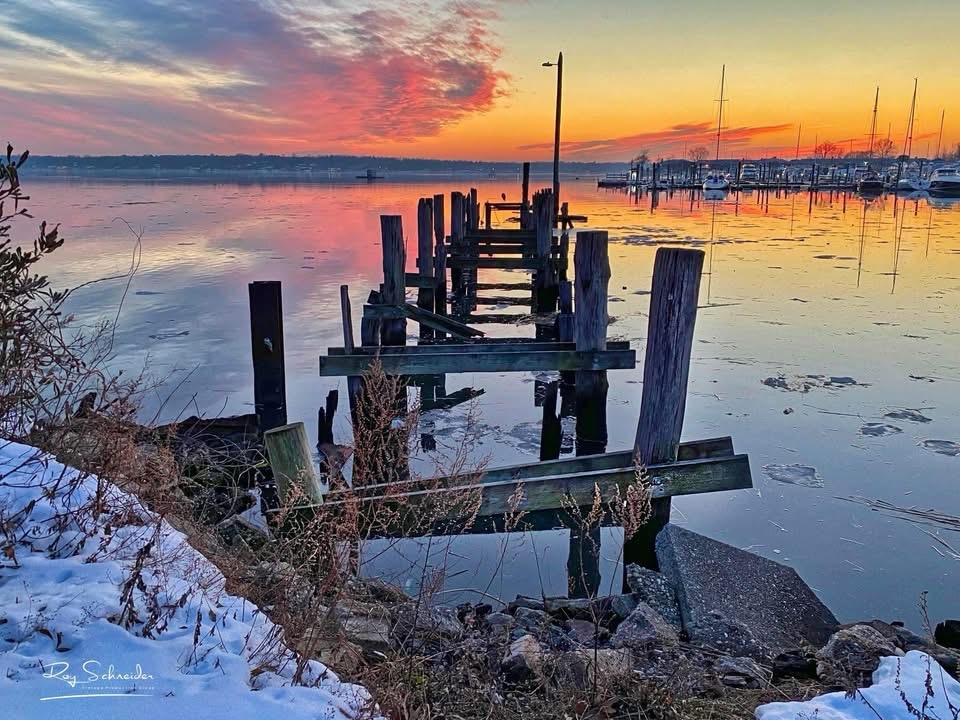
(473,212)
(591,277)
(487,214)
(457,233)
(325,417)
(266,341)
(394,331)
(426,291)
(525,198)
(354,382)
(544,281)
(288,451)
(673,313)
(439,262)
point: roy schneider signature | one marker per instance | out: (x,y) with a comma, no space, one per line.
(98,679)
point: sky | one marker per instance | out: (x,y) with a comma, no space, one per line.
(464,80)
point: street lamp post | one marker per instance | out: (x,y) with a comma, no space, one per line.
(556,137)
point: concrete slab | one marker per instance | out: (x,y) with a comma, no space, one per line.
(738,602)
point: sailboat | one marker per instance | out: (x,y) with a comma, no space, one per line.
(870,183)
(715,180)
(912,182)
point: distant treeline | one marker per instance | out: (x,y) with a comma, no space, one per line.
(318,164)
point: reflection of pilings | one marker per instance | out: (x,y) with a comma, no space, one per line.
(550,430)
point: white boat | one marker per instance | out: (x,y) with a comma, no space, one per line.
(912,184)
(945,182)
(749,174)
(716,181)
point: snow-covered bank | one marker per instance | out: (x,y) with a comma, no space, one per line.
(913,686)
(111,614)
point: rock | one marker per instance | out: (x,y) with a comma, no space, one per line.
(656,591)
(763,604)
(643,628)
(852,655)
(622,605)
(381,591)
(500,623)
(425,622)
(531,619)
(595,610)
(237,529)
(585,632)
(581,667)
(366,624)
(524,602)
(523,660)
(741,672)
(908,640)
(270,583)
(794,664)
(948,634)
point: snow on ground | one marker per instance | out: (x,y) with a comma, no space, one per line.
(70,647)
(895,679)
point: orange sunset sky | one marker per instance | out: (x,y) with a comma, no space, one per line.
(464,79)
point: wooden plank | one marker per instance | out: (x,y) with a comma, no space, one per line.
(415,280)
(503,361)
(504,286)
(487,345)
(556,492)
(500,235)
(266,342)
(711,448)
(501,300)
(495,263)
(441,322)
(673,312)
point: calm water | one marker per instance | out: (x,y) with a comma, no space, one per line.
(796,294)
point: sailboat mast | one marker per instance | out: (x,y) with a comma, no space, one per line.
(723,74)
(908,143)
(873,124)
(940,137)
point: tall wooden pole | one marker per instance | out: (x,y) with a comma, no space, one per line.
(266,340)
(673,312)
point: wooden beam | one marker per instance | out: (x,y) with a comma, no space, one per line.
(504,286)
(487,345)
(440,322)
(501,263)
(712,448)
(557,492)
(466,361)
(425,262)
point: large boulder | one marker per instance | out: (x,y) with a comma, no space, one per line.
(907,640)
(738,602)
(852,655)
(643,629)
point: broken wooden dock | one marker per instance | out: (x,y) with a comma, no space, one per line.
(573,343)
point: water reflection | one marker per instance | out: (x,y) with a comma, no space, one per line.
(822,285)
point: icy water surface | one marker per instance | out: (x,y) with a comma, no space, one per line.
(827,346)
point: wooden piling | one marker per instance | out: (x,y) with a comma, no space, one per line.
(394,331)
(473,212)
(457,233)
(325,417)
(354,383)
(544,281)
(525,198)
(266,341)
(425,230)
(591,278)
(673,313)
(288,451)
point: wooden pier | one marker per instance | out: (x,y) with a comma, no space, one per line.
(571,338)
